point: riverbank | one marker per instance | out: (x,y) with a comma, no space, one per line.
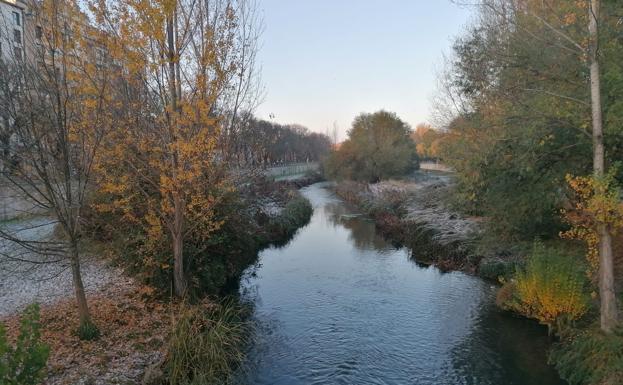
(134,330)
(135,318)
(412,212)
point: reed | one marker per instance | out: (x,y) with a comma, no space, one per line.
(207,343)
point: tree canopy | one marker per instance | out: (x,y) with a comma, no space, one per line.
(522,120)
(378,147)
(427,141)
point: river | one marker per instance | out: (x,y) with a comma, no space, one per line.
(340,305)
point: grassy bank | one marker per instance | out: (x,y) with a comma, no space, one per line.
(143,340)
(555,285)
(590,357)
(421,213)
(207,344)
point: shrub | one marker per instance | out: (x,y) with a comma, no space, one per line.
(596,201)
(214,260)
(145,253)
(295,214)
(392,202)
(24,363)
(551,289)
(591,358)
(207,344)
(496,269)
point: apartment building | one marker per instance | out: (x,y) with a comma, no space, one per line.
(12,29)
(53,38)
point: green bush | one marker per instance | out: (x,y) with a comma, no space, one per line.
(210,261)
(24,363)
(207,344)
(496,269)
(591,358)
(88,331)
(295,214)
(214,262)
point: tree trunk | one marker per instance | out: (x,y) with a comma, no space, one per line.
(606,269)
(179,275)
(172,64)
(81,299)
(609,316)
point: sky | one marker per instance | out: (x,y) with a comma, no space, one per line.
(326,61)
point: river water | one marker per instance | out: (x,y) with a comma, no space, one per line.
(340,305)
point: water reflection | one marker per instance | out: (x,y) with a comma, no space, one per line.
(363,233)
(521,354)
(339,305)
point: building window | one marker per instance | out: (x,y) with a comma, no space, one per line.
(17,36)
(18,52)
(16,18)
(38,32)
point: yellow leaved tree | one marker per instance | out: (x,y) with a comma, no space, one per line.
(181,59)
(54,100)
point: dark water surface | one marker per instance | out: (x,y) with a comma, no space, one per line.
(339,305)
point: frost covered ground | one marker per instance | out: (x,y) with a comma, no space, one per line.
(26,277)
(133,331)
(422,195)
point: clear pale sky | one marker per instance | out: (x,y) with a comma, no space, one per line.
(328,60)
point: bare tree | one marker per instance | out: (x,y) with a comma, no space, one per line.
(335,130)
(57,119)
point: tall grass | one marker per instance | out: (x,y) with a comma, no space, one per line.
(207,343)
(590,358)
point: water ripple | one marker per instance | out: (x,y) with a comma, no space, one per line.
(339,305)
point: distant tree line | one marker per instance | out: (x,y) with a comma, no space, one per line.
(263,143)
(427,141)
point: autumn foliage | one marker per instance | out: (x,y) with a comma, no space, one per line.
(596,200)
(550,288)
(161,167)
(427,141)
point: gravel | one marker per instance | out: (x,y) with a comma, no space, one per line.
(26,277)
